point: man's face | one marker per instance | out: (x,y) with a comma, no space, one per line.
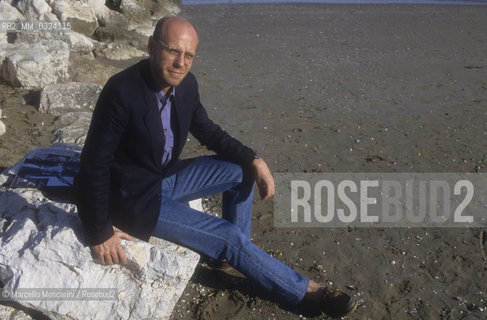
(172,52)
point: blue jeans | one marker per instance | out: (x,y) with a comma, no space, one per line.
(229,237)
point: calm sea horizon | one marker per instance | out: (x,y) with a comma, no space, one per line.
(441,2)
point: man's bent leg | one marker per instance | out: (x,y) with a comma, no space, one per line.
(206,176)
(218,239)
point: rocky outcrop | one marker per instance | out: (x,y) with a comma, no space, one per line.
(43,246)
(35,65)
(61,98)
(25,54)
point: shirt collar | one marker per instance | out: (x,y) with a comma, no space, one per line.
(160,95)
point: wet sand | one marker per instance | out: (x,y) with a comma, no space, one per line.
(338,88)
(332,88)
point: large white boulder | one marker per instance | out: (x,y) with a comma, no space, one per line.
(35,65)
(42,245)
(59,98)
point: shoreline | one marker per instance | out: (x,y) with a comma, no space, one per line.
(340,2)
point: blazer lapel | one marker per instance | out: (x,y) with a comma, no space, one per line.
(181,114)
(153,122)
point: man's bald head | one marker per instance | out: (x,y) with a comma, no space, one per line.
(167,24)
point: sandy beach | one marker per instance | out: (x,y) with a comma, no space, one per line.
(337,88)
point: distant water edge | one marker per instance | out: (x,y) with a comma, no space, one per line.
(445,2)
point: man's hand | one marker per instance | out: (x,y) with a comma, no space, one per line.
(263,178)
(110,252)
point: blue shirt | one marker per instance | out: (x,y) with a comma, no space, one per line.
(164,104)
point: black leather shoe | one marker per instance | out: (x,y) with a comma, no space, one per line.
(336,303)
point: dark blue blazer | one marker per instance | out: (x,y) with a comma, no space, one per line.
(119,182)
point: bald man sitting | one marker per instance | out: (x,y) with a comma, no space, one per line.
(131,175)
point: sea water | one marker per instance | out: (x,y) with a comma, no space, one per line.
(446,2)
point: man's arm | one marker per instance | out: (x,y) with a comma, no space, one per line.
(93,181)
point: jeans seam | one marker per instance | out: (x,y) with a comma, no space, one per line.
(205,188)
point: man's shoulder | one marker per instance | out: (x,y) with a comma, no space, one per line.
(127,77)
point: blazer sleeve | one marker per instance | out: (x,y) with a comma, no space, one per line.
(93,181)
(214,138)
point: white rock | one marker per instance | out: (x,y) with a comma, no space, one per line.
(35,65)
(34,9)
(8,12)
(117,51)
(60,98)
(78,43)
(73,127)
(10,313)
(80,14)
(42,246)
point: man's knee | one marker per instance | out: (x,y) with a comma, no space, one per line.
(232,237)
